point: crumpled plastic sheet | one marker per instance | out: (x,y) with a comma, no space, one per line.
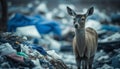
(43,25)
(6,49)
(37,47)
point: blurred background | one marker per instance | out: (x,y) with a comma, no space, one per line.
(47,24)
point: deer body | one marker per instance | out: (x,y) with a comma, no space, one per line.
(84,41)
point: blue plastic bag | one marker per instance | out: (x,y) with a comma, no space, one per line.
(43,25)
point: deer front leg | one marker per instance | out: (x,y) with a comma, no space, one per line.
(77,58)
(78,62)
(88,62)
(84,64)
(91,62)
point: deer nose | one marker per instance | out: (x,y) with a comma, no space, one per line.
(76,26)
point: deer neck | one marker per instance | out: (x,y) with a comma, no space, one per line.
(80,33)
(80,37)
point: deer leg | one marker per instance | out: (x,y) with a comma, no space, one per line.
(91,62)
(77,58)
(86,65)
(78,62)
(83,64)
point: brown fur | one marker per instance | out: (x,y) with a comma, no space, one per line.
(84,46)
(85,40)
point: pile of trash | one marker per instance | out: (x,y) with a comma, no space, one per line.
(40,42)
(107,60)
(18,52)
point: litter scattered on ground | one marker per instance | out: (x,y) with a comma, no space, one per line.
(43,40)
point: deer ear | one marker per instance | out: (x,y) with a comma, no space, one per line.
(70,11)
(90,11)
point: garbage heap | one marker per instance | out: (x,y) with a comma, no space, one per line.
(18,52)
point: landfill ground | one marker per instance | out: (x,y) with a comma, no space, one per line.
(38,34)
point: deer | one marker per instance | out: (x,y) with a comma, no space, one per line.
(85,40)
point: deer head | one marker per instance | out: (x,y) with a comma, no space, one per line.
(79,19)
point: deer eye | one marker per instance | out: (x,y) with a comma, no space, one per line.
(83,18)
